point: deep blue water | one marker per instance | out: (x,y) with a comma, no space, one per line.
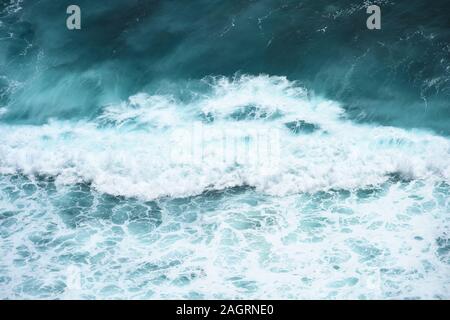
(224,149)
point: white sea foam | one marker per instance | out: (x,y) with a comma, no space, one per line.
(371,240)
(134,156)
(246,245)
(14,6)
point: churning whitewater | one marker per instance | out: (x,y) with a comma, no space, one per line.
(224,150)
(125,150)
(112,201)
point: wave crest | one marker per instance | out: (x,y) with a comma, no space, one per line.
(133,155)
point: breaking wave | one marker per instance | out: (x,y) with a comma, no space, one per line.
(125,150)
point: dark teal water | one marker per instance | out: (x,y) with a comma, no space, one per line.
(397,75)
(105,194)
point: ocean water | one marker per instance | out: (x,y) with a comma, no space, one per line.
(224,150)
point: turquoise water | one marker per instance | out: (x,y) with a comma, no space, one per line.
(224,150)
